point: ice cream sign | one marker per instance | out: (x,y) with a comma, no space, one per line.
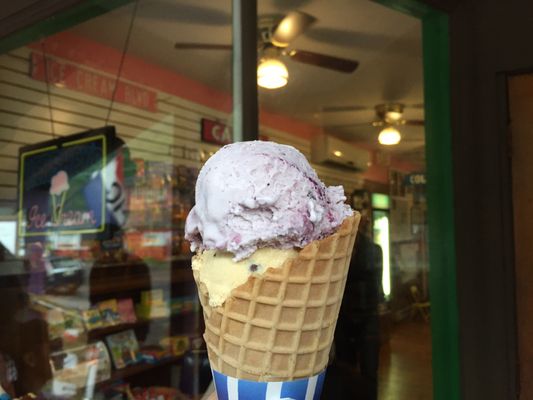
(62,184)
(73,77)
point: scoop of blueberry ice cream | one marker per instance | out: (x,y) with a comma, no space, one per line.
(251,195)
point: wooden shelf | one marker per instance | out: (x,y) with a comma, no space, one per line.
(132,370)
(158,278)
(99,333)
(109,330)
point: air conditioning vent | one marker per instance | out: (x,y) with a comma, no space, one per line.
(326,149)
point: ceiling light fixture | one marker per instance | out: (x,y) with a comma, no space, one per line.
(337,153)
(272,74)
(389,136)
(390,112)
(393,115)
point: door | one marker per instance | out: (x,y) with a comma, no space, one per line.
(520,106)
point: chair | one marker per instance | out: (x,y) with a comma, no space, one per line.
(418,306)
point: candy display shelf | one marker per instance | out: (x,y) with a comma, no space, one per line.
(160,276)
(141,368)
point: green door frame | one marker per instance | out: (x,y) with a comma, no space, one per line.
(59,22)
(444,307)
(439,169)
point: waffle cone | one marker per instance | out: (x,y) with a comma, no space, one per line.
(279,326)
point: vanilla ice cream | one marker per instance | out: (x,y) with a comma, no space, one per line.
(220,274)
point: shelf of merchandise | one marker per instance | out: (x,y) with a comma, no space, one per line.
(139,368)
(158,277)
(100,333)
(97,333)
(142,367)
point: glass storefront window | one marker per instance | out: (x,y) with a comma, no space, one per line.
(103,129)
(346,73)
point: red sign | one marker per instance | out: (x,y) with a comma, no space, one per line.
(215,132)
(73,77)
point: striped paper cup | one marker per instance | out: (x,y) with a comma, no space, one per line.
(229,388)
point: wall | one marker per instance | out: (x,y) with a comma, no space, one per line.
(486,38)
(171,134)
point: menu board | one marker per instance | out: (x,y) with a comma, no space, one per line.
(62,184)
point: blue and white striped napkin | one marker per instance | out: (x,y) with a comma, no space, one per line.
(229,388)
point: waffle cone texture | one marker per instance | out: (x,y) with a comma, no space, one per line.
(279,326)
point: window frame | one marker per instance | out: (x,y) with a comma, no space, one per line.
(440,193)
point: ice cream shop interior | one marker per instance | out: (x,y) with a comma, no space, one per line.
(109,111)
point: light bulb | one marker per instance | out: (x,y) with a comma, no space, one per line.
(389,136)
(272,74)
(393,115)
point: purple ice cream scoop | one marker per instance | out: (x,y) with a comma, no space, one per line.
(258,194)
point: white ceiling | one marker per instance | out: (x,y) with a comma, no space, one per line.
(386,43)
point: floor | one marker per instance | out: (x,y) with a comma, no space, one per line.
(405,364)
(404,370)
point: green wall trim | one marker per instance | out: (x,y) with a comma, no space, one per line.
(59,22)
(414,8)
(440,195)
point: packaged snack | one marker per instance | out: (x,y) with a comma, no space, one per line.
(153,305)
(126,311)
(154,353)
(124,348)
(109,312)
(92,318)
(71,368)
(177,345)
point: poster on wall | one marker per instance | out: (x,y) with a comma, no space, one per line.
(73,77)
(215,132)
(64,183)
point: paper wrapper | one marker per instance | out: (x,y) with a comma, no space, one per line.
(229,388)
(279,326)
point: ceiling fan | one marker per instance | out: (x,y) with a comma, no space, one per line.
(386,114)
(275,35)
(389,116)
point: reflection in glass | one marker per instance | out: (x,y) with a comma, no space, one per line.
(98,299)
(351,77)
(382,238)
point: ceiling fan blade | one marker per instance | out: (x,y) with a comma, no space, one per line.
(341,126)
(321,60)
(202,46)
(345,108)
(290,27)
(414,122)
(421,141)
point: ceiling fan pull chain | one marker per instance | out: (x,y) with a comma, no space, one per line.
(49,96)
(123,56)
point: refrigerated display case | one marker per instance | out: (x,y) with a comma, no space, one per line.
(381,234)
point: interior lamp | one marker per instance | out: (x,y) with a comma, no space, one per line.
(389,136)
(272,74)
(393,115)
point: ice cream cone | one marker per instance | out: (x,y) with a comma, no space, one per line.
(279,326)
